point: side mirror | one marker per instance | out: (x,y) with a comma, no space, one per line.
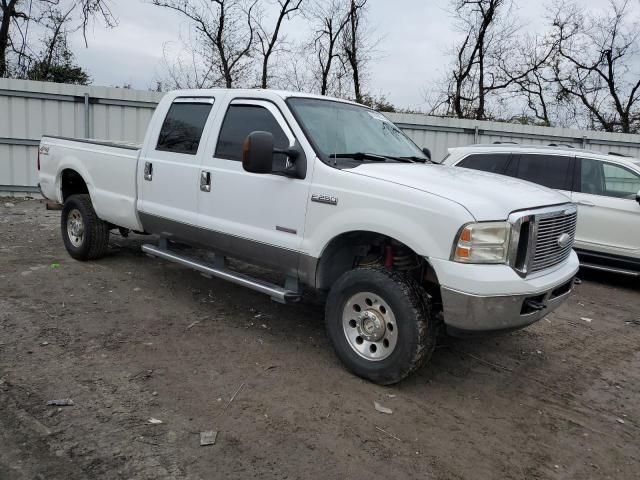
(258,152)
(638,197)
(427,152)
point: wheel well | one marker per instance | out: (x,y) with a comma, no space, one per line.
(72,183)
(353,249)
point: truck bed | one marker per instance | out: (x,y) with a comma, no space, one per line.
(109,169)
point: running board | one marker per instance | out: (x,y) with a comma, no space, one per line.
(277,293)
(621,271)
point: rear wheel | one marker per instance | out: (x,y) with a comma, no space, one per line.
(85,236)
(380,324)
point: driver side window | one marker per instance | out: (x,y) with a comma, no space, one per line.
(607,179)
(239,121)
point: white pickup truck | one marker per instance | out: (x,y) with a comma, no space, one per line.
(336,198)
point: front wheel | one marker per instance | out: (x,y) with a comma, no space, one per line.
(85,236)
(380,324)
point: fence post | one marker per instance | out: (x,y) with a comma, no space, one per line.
(584,142)
(87,130)
(476,135)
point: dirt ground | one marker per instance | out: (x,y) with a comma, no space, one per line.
(129,338)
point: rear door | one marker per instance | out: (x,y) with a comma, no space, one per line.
(608,213)
(169,171)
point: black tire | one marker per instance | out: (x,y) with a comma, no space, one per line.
(417,329)
(94,242)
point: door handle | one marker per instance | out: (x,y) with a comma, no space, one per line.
(148,171)
(205,181)
(586,203)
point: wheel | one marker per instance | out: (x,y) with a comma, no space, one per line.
(85,236)
(380,324)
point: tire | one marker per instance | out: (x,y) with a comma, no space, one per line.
(85,236)
(363,306)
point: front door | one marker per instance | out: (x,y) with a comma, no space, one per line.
(259,217)
(608,213)
(169,171)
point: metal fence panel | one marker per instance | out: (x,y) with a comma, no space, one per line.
(440,134)
(29,110)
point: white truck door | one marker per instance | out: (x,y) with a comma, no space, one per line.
(608,213)
(256,216)
(169,166)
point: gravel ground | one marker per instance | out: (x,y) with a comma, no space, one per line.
(129,338)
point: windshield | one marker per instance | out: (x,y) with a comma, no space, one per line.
(340,128)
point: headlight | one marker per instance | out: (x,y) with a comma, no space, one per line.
(485,242)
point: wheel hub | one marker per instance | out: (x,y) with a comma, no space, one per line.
(371,326)
(75,228)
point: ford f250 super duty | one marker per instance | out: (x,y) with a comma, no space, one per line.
(335,197)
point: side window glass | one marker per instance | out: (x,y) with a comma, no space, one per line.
(239,122)
(183,126)
(552,171)
(607,179)
(493,162)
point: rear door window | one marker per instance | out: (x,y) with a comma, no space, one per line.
(553,171)
(183,126)
(487,162)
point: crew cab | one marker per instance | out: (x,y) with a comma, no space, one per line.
(334,197)
(604,186)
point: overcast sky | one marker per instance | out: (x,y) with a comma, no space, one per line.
(415,36)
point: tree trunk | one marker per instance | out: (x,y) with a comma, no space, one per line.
(7,13)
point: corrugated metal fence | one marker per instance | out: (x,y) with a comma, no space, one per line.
(440,134)
(29,110)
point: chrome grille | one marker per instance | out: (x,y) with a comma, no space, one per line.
(547,252)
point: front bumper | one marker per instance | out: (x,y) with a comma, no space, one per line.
(525,302)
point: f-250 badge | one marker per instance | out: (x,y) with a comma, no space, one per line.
(328,199)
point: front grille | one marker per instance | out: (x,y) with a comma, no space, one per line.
(537,233)
(547,250)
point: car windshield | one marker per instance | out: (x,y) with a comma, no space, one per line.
(340,129)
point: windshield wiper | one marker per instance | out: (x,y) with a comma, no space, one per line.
(414,158)
(377,157)
(360,156)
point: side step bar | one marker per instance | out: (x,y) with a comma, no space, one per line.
(621,271)
(277,293)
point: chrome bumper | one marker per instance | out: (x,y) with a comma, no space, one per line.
(466,314)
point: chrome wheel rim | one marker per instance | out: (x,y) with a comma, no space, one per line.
(75,228)
(370,326)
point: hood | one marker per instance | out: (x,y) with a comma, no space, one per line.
(486,196)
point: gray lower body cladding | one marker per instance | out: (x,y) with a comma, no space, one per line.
(277,258)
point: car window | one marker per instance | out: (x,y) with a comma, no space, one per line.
(607,179)
(183,126)
(552,171)
(239,122)
(488,162)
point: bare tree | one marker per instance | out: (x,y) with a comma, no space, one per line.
(485,26)
(18,15)
(353,44)
(269,41)
(330,19)
(598,65)
(224,35)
